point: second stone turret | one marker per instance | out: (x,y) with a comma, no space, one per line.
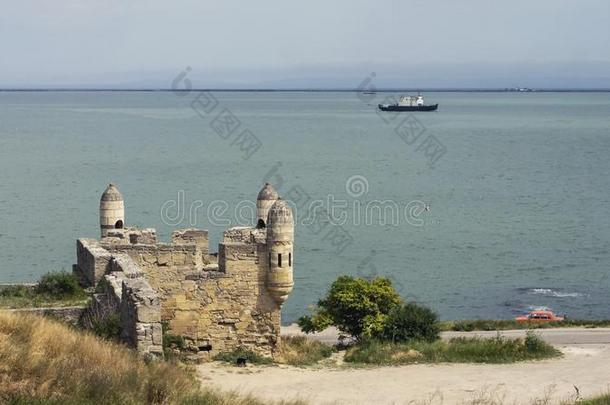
(280,239)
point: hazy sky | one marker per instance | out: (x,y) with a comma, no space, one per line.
(433,43)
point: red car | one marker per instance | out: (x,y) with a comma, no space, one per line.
(540,316)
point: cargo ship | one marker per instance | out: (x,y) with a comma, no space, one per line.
(409,103)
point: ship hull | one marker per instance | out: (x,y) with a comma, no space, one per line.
(394,107)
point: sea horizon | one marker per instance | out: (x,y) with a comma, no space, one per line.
(323,90)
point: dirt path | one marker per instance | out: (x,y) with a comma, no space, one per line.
(586,366)
(556,336)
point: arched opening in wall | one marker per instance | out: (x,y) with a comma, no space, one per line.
(260,224)
(119,224)
(279,260)
(289,259)
(206,347)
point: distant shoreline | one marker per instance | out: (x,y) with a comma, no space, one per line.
(303,90)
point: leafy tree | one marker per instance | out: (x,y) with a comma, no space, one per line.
(357,307)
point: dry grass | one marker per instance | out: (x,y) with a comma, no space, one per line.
(44,362)
(44,359)
(301,351)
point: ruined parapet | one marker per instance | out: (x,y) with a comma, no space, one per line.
(245,234)
(238,245)
(235,252)
(192,236)
(147,236)
(109,300)
(92,261)
(113,287)
(189,247)
(112,210)
(123,264)
(197,238)
(162,255)
(140,314)
(131,235)
(241,234)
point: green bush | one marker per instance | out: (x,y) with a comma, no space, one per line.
(463,326)
(171,341)
(485,324)
(107,328)
(59,285)
(411,321)
(533,343)
(15,291)
(356,306)
(458,350)
(53,289)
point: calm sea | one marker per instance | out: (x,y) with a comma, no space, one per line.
(518,205)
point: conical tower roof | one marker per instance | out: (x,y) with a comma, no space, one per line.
(112,194)
(280,212)
(267,193)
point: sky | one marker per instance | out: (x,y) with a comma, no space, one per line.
(314,43)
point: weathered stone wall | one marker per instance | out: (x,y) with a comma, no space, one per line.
(140,314)
(92,261)
(216,308)
(161,254)
(123,291)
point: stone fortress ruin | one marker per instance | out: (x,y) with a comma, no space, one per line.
(216,301)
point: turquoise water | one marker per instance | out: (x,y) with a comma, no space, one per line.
(518,205)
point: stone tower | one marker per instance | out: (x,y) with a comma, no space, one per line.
(112,210)
(280,238)
(266,197)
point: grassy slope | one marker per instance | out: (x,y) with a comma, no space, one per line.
(44,362)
